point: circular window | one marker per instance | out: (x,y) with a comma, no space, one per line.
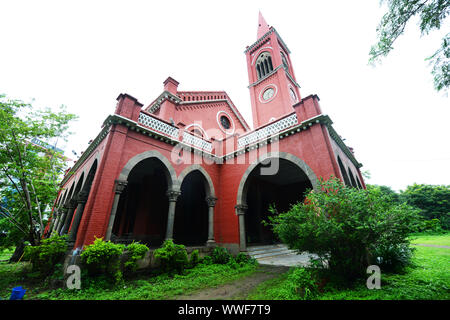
(225,122)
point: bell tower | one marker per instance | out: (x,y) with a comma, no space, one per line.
(272,84)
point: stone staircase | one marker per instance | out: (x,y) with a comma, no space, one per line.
(277,254)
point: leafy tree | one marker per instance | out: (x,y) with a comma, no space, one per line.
(386,190)
(432,14)
(348,228)
(432,200)
(29,173)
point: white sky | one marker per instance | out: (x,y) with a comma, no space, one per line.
(83,54)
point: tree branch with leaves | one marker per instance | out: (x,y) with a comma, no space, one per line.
(28,171)
(432,14)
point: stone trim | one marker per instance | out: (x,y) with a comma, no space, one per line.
(172,180)
(210,191)
(241,201)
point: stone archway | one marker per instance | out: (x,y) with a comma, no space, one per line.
(276,178)
(143,205)
(194,217)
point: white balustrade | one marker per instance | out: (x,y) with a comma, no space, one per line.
(197,142)
(269,130)
(158,125)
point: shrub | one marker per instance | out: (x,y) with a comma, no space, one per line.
(103,257)
(47,255)
(220,255)
(393,258)
(302,283)
(242,258)
(431,226)
(135,251)
(173,257)
(207,260)
(347,227)
(194,260)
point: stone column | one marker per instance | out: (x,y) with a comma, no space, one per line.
(118,189)
(62,217)
(240,212)
(55,218)
(69,216)
(211,203)
(81,201)
(173,197)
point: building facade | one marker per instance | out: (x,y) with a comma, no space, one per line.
(188,167)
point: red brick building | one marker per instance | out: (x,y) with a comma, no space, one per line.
(188,166)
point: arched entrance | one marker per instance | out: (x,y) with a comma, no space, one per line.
(191,215)
(142,209)
(261,188)
(193,225)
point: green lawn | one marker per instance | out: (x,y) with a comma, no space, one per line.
(6,254)
(441,239)
(142,287)
(429,279)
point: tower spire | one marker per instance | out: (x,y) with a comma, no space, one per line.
(263,27)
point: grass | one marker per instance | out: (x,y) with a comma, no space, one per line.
(142,287)
(428,279)
(435,239)
(6,254)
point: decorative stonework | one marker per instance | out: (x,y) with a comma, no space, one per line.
(268,130)
(240,209)
(173,195)
(120,186)
(158,125)
(197,142)
(211,201)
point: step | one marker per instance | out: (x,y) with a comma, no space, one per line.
(266,250)
(269,252)
(273,254)
(264,247)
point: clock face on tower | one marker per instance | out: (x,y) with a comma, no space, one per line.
(268,94)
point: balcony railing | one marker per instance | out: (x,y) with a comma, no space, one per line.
(268,130)
(158,125)
(197,142)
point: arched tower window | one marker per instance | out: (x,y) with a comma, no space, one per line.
(264,65)
(283,58)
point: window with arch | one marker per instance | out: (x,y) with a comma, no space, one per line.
(197,132)
(264,65)
(283,58)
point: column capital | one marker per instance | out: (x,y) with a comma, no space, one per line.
(173,195)
(211,201)
(72,203)
(240,209)
(120,186)
(82,197)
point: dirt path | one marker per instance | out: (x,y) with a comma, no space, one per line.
(238,289)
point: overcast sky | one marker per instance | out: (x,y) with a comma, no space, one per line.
(83,54)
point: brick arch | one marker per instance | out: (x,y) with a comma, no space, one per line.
(87,168)
(241,200)
(210,191)
(171,175)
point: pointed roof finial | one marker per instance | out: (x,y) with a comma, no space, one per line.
(263,27)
